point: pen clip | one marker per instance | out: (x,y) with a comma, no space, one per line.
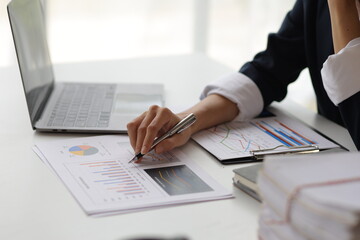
(191,121)
(183,124)
(261,153)
(178,128)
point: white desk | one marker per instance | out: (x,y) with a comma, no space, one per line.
(34,204)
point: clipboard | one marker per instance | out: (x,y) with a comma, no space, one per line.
(244,142)
(260,154)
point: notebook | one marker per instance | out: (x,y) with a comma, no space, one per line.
(245,179)
(70,107)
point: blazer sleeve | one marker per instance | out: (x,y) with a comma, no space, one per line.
(284,58)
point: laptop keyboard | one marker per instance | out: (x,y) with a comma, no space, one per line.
(83,105)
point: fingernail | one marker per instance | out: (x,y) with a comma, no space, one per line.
(143,150)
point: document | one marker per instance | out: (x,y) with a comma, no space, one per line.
(237,140)
(97,173)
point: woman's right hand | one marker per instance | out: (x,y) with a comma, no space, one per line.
(154,123)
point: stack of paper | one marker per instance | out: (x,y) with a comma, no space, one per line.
(97,172)
(310,197)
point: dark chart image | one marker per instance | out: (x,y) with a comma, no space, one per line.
(177,180)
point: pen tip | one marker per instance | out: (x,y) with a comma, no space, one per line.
(132,159)
(137,156)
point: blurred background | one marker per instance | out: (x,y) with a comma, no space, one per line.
(228,31)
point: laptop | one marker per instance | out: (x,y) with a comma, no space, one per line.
(70,107)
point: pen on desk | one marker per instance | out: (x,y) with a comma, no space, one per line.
(178,128)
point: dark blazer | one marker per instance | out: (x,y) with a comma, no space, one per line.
(303,41)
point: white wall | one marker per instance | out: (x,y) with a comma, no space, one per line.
(230,31)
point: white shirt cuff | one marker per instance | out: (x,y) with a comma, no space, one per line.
(341,72)
(239,89)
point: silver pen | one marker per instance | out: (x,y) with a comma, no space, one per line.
(178,128)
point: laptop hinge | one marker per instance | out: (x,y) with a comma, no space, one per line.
(43,105)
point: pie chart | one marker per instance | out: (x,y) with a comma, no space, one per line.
(83,150)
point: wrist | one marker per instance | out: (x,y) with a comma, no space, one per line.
(211,111)
(195,126)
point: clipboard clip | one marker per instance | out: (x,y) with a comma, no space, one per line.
(261,153)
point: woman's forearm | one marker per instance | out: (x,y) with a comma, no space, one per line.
(345,22)
(212,110)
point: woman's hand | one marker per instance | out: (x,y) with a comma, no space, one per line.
(154,123)
(212,110)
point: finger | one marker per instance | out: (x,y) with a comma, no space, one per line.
(167,145)
(132,129)
(138,160)
(160,122)
(141,131)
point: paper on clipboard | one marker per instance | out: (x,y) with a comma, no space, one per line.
(237,140)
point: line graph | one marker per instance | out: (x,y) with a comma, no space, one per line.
(178,180)
(246,137)
(234,139)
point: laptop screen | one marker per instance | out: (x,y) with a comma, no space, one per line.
(28,28)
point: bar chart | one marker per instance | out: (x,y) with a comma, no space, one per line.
(108,180)
(283,133)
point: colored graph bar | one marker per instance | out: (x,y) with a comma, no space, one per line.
(296,133)
(285,134)
(106,171)
(132,193)
(290,138)
(274,135)
(118,175)
(106,180)
(125,187)
(125,181)
(112,177)
(129,190)
(101,162)
(112,173)
(101,165)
